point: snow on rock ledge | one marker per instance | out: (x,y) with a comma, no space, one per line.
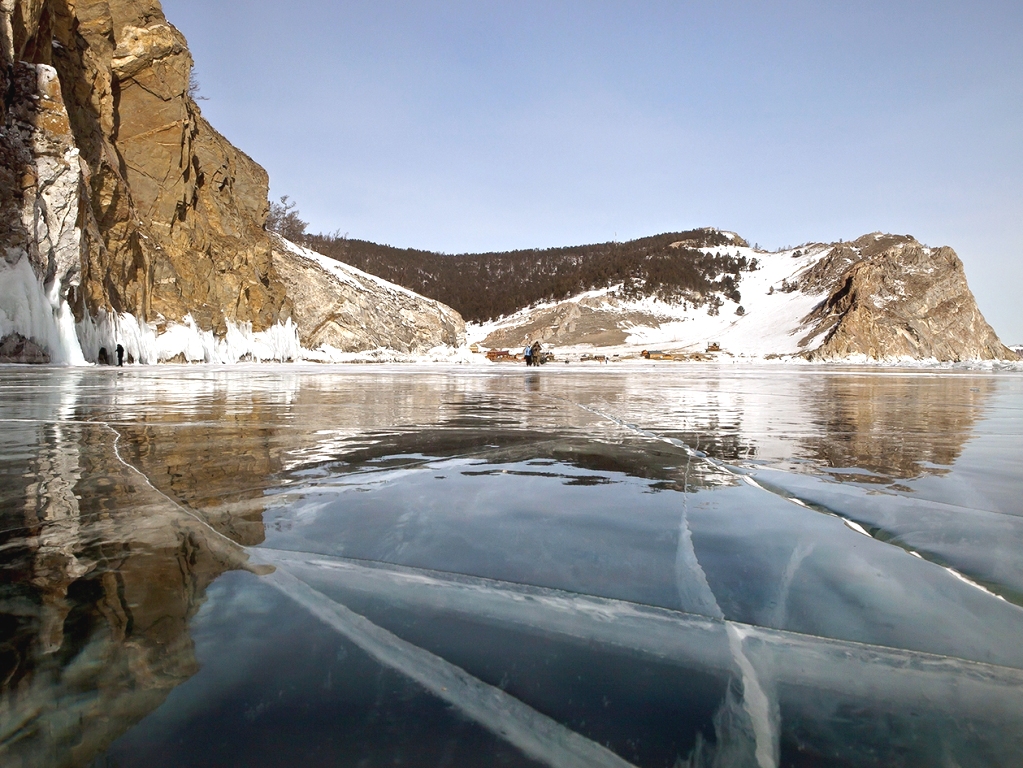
(342,309)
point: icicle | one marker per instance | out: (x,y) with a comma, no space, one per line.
(37,312)
(143,343)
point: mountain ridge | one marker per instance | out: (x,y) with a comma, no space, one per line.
(483,286)
(127,220)
(880,297)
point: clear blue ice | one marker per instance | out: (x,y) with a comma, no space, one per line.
(682,565)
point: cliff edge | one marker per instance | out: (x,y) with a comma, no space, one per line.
(125,218)
(890,297)
(123,199)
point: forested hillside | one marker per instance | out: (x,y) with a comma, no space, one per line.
(484,286)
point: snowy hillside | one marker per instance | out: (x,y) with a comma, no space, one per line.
(767,319)
(881,297)
(771,319)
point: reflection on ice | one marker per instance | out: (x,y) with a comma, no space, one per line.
(750,566)
(741,553)
(780,667)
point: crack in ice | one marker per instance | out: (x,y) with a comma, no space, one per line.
(743,477)
(535,734)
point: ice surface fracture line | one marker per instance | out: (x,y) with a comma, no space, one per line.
(850,524)
(535,734)
(699,597)
(387,565)
(117,437)
(754,701)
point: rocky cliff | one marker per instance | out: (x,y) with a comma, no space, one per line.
(889,297)
(121,195)
(124,216)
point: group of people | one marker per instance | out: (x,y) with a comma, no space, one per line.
(532,353)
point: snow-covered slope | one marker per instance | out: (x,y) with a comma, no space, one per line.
(340,309)
(766,320)
(881,297)
(771,317)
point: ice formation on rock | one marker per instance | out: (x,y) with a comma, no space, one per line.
(126,219)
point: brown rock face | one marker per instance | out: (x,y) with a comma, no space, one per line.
(891,297)
(15,348)
(341,307)
(171,215)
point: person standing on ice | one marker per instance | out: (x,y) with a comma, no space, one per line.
(120,355)
(528,353)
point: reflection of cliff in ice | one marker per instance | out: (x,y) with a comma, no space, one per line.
(894,427)
(492,420)
(878,426)
(102,575)
(505,540)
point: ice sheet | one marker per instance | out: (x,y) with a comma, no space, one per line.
(744,567)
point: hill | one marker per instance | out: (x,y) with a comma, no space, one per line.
(881,297)
(694,267)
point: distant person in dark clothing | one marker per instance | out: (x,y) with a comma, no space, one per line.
(120,355)
(537,351)
(528,354)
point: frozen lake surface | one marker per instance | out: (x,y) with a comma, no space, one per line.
(674,565)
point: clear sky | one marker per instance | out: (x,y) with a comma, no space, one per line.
(474,126)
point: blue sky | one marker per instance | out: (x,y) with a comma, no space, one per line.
(468,126)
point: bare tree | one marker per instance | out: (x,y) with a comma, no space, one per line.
(284,220)
(194,86)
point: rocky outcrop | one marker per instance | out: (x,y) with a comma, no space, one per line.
(889,297)
(589,321)
(343,308)
(120,195)
(15,348)
(125,218)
